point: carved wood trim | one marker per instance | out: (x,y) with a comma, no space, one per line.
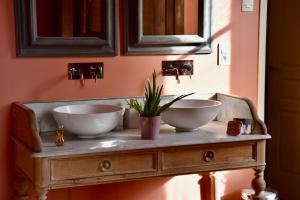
(42,193)
(258,183)
(25,127)
(259,127)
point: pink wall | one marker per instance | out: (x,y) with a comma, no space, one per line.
(45,79)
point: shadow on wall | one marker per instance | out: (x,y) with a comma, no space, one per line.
(241,29)
(208,76)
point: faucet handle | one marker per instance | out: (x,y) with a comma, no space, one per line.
(72,72)
(93,73)
(187,72)
(99,72)
(96,72)
(187,66)
(187,69)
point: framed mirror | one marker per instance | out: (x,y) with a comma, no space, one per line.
(66,27)
(167,26)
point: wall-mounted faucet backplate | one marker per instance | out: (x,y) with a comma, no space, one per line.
(178,68)
(85,70)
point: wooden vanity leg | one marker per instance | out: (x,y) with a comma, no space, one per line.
(42,193)
(21,187)
(206,186)
(258,183)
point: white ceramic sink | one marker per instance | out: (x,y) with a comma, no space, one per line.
(88,121)
(190,114)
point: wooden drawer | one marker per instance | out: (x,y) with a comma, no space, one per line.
(196,157)
(84,167)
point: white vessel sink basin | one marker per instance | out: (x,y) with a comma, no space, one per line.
(189,114)
(88,121)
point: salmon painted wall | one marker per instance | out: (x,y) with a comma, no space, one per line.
(45,79)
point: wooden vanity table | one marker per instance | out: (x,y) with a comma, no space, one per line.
(122,156)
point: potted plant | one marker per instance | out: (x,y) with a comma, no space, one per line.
(151,109)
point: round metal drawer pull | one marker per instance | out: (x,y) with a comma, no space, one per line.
(105,165)
(208,156)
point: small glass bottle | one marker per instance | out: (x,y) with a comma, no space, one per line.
(59,136)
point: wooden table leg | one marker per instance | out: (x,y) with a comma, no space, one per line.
(258,183)
(206,183)
(42,193)
(21,187)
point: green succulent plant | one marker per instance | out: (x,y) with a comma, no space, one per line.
(151,101)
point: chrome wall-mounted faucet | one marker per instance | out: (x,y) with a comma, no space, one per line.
(83,71)
(178,68)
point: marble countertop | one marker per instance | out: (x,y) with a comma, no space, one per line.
(129,139)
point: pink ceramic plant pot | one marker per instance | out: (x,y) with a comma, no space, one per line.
(150,127)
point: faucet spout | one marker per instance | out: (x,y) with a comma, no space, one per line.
(82,79)
(177,75)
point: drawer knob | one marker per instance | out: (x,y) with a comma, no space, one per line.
(208,156)
(105,165)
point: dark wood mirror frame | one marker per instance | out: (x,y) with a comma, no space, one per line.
(30,44)
(137,43)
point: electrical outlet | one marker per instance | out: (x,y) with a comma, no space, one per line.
(247,5)
(224,53)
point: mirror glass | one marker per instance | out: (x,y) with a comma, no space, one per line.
(71,18)
(171,17)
